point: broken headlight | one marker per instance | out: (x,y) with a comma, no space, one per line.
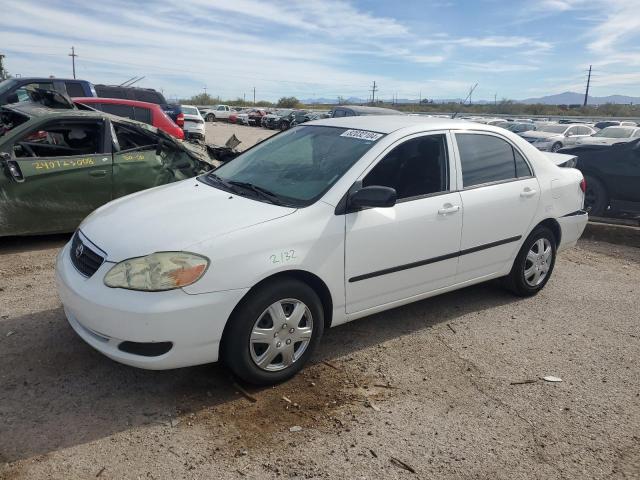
(157,272)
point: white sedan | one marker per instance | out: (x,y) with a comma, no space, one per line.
(317,226)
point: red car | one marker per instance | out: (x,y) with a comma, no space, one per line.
(149,113)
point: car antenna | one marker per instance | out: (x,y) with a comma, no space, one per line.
(464,101)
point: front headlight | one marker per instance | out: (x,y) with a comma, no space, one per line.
(157,272)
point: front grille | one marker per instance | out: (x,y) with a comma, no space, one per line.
(86,261)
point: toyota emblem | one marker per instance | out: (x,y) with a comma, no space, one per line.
(79,250)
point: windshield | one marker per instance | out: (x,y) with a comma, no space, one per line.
(553,128)
(299,165)
(7,85)
(615,132)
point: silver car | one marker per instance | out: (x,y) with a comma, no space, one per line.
(551,138)
(611,135)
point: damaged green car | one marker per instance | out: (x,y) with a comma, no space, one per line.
(58,163)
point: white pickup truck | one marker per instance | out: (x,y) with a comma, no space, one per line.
(219,112)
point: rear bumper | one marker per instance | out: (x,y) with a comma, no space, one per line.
(572,226)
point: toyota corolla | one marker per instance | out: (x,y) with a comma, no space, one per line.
(317,226)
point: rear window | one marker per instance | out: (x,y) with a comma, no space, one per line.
(190,110)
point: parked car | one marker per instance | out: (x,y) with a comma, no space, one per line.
(219,112)
(325,223)
(256,115)
(149,113)
(553,137)
(272,120)
(193,123)
(611,135)
(606,123)
(355,110)
(291,119)
(14,90)
(612,173)
(58,165)
(142,95)
(520,127)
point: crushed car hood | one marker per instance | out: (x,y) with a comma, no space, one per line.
(172,217)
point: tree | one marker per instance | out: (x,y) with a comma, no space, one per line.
(4,74)
(288,102)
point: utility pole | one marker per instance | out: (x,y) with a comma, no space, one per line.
(73,60)
(420,98)
(254,96)
(244,98)
(205,90)
(374,89)
(586,94)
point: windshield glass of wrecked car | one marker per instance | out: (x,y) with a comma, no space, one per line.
(298,166)
(10,119)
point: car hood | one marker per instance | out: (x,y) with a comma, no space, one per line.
(602,141)
(172,217)
(535,135)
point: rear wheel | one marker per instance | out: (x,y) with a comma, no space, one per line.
(272,334)
(596,199)
(556,146)
(534,264)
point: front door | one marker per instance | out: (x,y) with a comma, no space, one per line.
(395,253)
(56,174)
(500,196)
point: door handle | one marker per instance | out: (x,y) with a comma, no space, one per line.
(447,208)
(98,173)
(528,192)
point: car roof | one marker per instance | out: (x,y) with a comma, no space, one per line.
(116,101)
(33,109)
(391,123)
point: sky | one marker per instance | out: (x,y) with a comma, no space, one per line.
(331,48)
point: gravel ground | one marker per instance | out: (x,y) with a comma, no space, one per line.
(219,132)
(428,384)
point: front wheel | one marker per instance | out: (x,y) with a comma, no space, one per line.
(556,146)
(210,117)
(273,332)
(533,266)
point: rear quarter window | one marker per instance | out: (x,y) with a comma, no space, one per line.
(142,114)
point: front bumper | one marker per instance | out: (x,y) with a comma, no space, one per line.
(106,317)
(572,226)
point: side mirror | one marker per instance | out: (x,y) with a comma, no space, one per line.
(374,196)
(13,98)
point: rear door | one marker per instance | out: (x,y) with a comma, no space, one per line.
(58,173)
(396,253)
(500,197)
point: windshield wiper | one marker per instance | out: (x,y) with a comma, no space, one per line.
(227,185)
(262,192)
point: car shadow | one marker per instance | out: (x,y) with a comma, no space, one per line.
(9,245)
(57,392)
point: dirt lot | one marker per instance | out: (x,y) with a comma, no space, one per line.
(429,384)
(219,132)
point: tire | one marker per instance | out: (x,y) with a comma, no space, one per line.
(596,199)
(280,353)
(531,273)
(210,117)
(556,146)
(284,126)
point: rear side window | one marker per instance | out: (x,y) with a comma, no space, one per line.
(119,110)
(74,89)
(339,113)
(487,159)
(414,168)
(142,115)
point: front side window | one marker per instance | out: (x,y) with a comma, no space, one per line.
(415,168)
(61,139)
(296,167)
(487,159)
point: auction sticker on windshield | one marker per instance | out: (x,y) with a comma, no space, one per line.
(362,135)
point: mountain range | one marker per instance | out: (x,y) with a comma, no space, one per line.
(566,98)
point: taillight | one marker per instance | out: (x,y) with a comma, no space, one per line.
(180,120)
(583,185)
